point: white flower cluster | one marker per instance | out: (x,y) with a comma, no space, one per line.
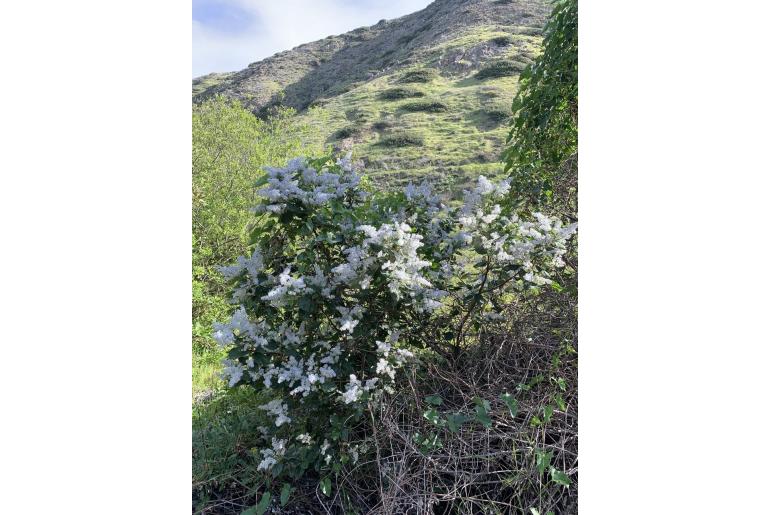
(299,182)
(394,249)
(270,456)
(253,265)
(286,286)
(354,389)
(389,359)
(279,410)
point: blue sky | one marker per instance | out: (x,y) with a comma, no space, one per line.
(230,34)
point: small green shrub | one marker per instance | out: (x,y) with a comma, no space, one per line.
(502,40)
(499,69)
(421,76)
(399,93)
(427,107)
(402,139)
(347,132)
(381,125)
(497,114)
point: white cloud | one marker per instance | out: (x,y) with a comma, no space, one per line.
(278,25)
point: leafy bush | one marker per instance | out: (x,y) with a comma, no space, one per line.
(229,147)
(401,139)
(428,107)
(343,289)
(399,93)
(542,157)
(499,69)
(419,76)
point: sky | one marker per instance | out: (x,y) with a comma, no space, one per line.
(228,35)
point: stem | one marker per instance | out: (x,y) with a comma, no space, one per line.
(472,306)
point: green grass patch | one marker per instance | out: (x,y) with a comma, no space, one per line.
(225,439)
(402,139)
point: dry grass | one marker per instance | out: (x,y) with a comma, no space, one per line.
(477,469)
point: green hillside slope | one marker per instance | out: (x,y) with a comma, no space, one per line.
(424,95)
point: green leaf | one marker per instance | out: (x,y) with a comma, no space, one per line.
(560,402)
(535,421)
(547,413)
(250,511)
(264,502)
(433,417)
(285,493)
(482,403)
(455,420)
(483,417)
(542,460)
(560,477)
(436,400)
(326,486)
(509,401)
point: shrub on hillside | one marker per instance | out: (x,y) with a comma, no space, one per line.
(499,69)
(427,107)
(419,76)
(344,289)
(399,93)
(401,139)
(347,132)
(497,115)
(502,40)
(382,125)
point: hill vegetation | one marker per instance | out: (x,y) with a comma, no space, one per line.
(391,349)
(357,89)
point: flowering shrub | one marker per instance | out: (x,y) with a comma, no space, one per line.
(344,288)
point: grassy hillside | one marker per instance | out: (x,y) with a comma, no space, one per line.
(425,95)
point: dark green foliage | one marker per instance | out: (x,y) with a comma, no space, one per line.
(502,40)
(224,430)
(347,132)
(499,69)
(406,39)
(423,76)
(543,137)
(497,115)
(381,125)
(399,93)
(402,139)
(427,107)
